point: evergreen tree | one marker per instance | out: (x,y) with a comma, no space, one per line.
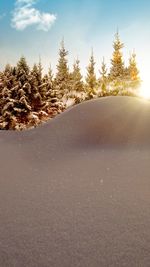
(50,75)
(22,70)
(47,86)
(117,69)
(54,105)
(35,74)
(40,70)
(133,70)
(103,79)
(4,97)
(8,77)
(8,70)
(15,108)
(30,81)
(48,81)
(23,78)
(77,87)
(42,89)
(134,78)
(36,101)
(91,82)
(76,77)
(62,81)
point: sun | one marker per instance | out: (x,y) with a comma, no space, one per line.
(145,90)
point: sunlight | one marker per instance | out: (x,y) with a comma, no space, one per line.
(145,90)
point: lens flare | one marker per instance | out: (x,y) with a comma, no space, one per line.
(145,90)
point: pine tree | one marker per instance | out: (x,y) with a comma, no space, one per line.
(133,70)
(22,70)
(103,79)
(117,69)
(77,87)
(54,105)
(8,77)
(23,78)
(8,121)
(62,81)
(40,70)
(41,86)
(8,81)
(8,70)
(76,77)
(50,74)
(38,94)
(35,74)
(46,87)
(4,97)
(91,82)
(15,108)
(48,80)
(134,78)
(30,81)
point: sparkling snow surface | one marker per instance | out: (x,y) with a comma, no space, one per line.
(75,192)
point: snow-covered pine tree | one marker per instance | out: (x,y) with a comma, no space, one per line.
(23,78)
(77,87)
(103,79)
(35,74)
(41,86)
(76,76)
(8,76)
(8,70)
(62,80)
(54,104)
(19,103)
(91,82)
(36,100)
(30,81)
(46,87)
(50,74)
(4,97)
(4,83)
(22,70)
(47,84)
(15,108)
(6,101)
(133,71)
(40,70)
(117,69)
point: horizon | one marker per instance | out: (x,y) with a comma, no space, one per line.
(35,28)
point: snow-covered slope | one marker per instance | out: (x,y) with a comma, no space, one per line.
(75,191)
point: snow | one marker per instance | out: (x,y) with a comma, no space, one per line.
(69,102)
(75,191)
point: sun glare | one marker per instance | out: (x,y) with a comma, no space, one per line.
(145,90)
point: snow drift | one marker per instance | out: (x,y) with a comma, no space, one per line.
(75,191)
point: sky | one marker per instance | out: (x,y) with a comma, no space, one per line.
(35,28)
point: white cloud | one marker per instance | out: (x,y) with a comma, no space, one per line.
(25,15)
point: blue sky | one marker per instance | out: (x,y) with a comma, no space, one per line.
(33,28)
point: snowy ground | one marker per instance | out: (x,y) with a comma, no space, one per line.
(75,191)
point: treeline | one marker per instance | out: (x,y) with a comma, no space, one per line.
(27,97)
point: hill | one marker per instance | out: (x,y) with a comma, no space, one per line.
(75,191)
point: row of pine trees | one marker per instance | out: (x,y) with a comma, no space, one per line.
(27,97)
